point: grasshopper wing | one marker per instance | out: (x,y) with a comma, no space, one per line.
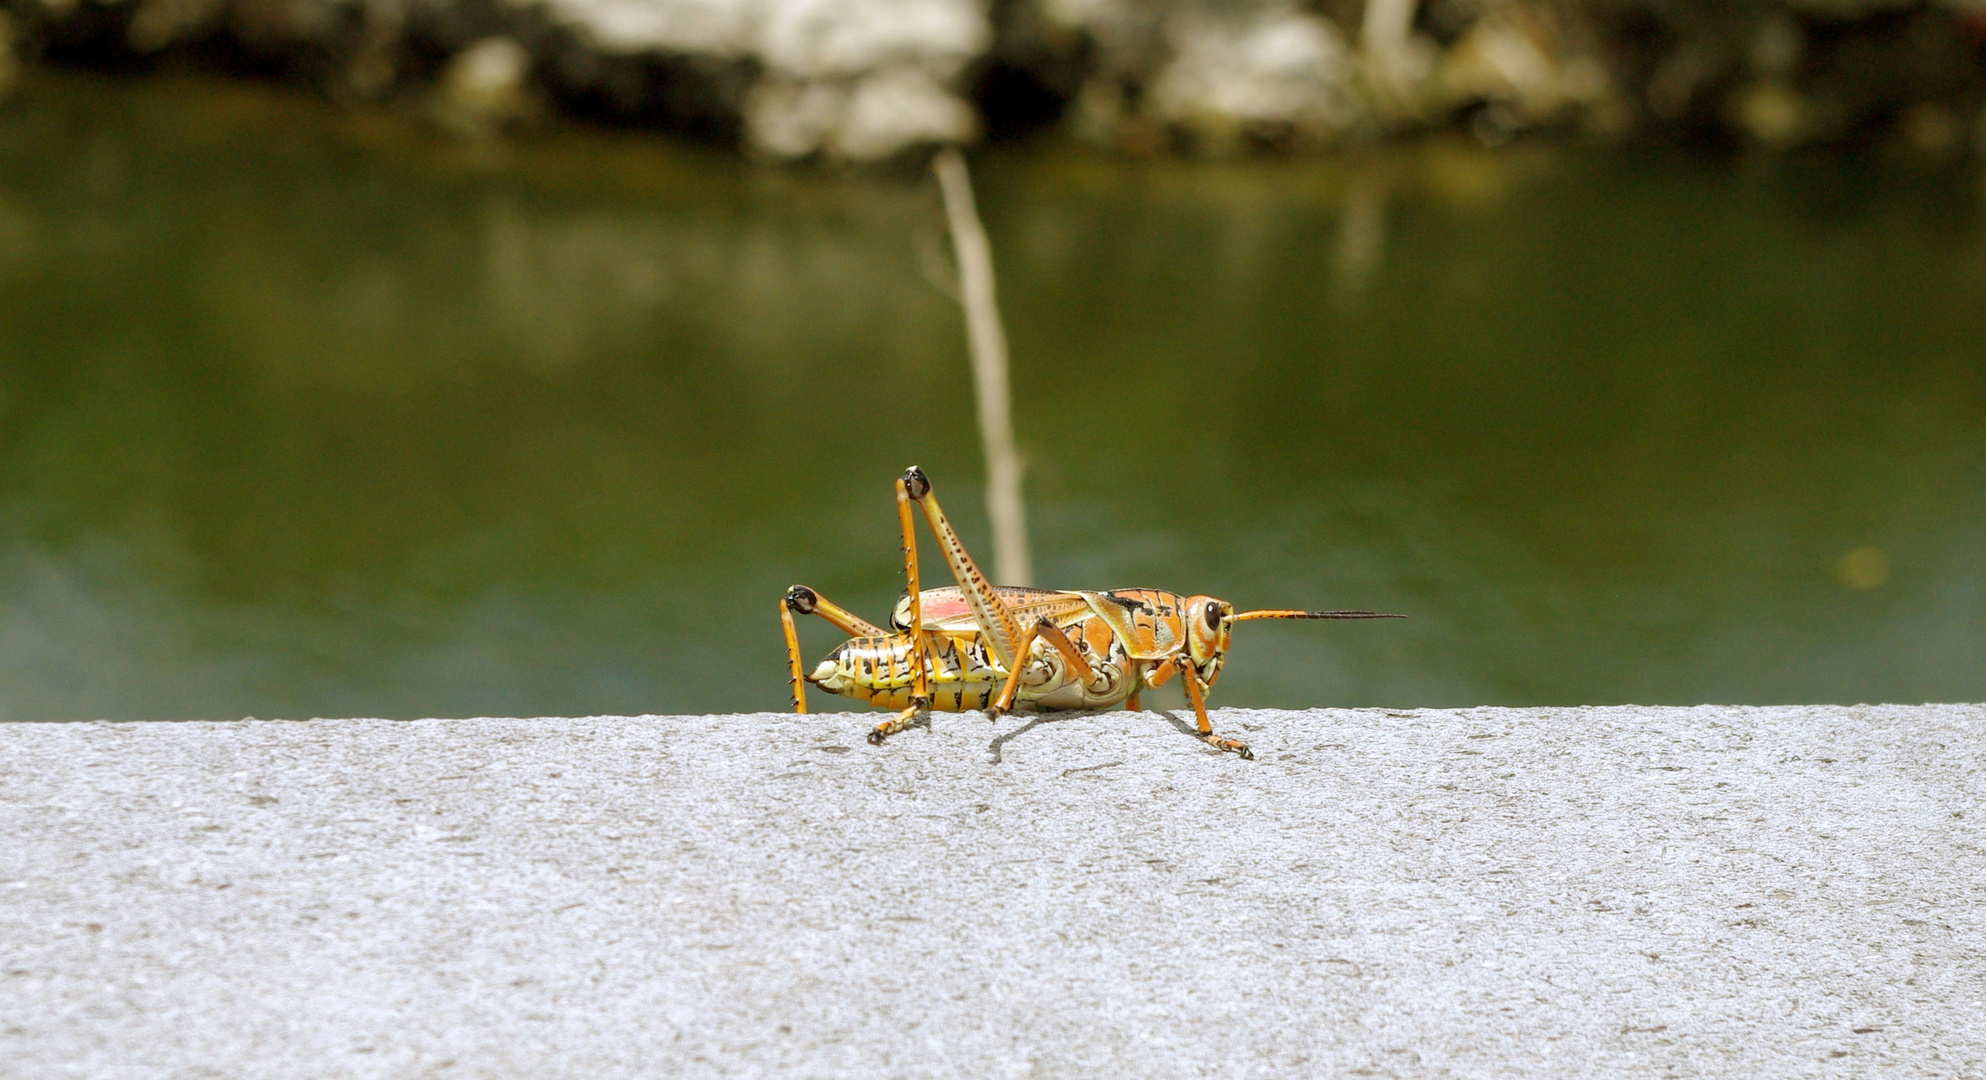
(946,609)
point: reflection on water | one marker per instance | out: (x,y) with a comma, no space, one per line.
(301,414)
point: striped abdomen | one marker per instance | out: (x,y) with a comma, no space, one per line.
(878,670)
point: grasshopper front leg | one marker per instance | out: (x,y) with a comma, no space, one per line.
(1197,693)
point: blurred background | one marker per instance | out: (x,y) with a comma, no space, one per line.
(448,357)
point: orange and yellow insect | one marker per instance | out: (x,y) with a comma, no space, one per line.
(1001,648)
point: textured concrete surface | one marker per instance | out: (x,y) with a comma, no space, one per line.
(1564,892)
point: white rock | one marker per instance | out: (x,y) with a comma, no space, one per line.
(809,39)
(793,120)
(1268,67)
(720,28)
(487,79)
(816,39)
(860,79)
(861,120)
(897,109)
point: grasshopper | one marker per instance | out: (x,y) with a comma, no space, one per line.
(1001,648)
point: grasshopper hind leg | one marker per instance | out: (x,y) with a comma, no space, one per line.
(914,715)
(796,676)
(801,600)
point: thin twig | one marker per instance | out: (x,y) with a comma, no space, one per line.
(988,345)
(1385,35)
(936,266)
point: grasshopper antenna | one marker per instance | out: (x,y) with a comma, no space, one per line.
(1274,613)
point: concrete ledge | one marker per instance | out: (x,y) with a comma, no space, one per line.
(1599,892)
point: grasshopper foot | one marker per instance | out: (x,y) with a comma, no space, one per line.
(1233,746)
(897,723)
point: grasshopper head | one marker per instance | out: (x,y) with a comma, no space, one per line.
(1207,621)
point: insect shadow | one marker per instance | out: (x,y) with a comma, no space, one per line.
(997,747)
(999,743)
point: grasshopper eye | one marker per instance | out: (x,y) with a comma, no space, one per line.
(1213,615)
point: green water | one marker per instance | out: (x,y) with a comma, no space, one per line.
(310,413)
